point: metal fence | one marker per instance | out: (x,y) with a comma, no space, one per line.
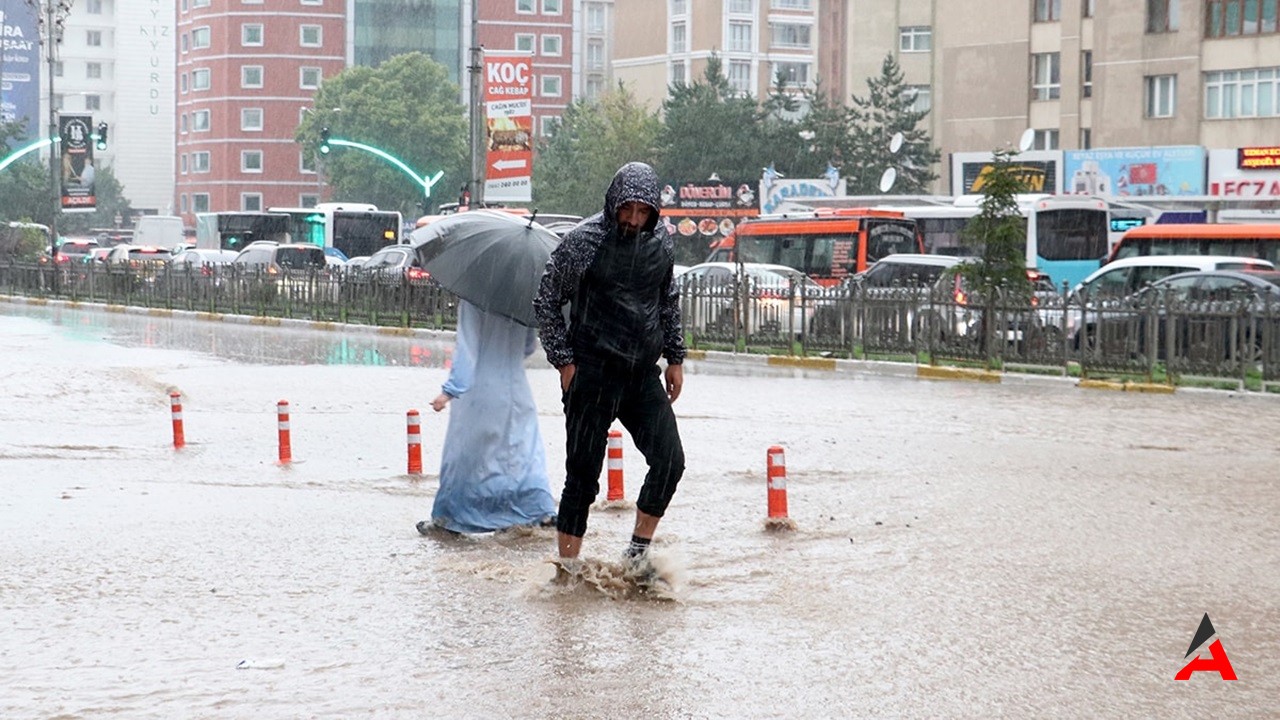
(1156,337)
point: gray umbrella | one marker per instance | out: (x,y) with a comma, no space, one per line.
(494,260)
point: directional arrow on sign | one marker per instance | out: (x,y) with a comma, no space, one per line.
(508,164)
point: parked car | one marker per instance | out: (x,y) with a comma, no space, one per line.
(73,250)
(910,270)
(201,257)
(392,263)
(1027,314)
(765,300)
(137,266)
(1126,276)
(267,269)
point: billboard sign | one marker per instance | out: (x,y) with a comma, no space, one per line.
(701,212)
(508,112)
(774,194)
(20,67)
(1172,170)
(78,173)
(1235,174)
(1040,171)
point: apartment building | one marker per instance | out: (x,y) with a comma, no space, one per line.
(116,63)
(755,40)
(240,98)
(551,32)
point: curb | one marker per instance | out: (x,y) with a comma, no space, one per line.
(931,372)
(808,363)
(1152,388)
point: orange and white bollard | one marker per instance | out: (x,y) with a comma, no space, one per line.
(175,407)
(282,426)
(615,466)
(414,423)
(777,483)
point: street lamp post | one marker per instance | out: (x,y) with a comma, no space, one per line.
(55,14)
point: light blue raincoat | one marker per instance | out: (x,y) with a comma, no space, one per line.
(493,469)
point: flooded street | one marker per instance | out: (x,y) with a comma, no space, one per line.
(962,550)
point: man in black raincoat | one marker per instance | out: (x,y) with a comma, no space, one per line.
(614,271)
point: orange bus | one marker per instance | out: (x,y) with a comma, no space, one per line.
(1257,241)
(826,244)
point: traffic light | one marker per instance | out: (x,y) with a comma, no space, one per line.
(324,141)
(100,141)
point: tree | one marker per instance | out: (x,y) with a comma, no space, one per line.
(708,128)
(110,200)
(575,164)
(1001,231)
(875,118)
(405,107)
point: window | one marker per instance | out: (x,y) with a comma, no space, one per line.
(59,101)
(1162,15)
(525,41)
(793,73)
(93,38)
(93,7)
(921,97)
(57,69)
(185,122)
(526,7)
(183,82)
(1086,72)
(677,72)
(310,36)
(790,4)
(918,38)
(251,35)
(1089,7)
(791,35)
(1048,10)
(309,78)
(681,7)
(200,38)
(547,125)
(1242,93)
(740,36)
(551,7)
(595,55)
(1228,18)
(200,79)
(742,7)
(200,121)
(308,200)
(595,18)
(1161,93)
(304,2)
(679,39)
(1086,138)
(251,76)
(740,75)
(550,86)
(1045,140)
(551,45)
(251,161)
(199,202)
(251,202)
(93,70)
(251,119)
(92,102)
(200,162)
(595,87)
(186,42)
(199,3)
(1045,76)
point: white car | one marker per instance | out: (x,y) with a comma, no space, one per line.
(759,298)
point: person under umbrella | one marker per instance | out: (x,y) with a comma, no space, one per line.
(493,467)
(615,272)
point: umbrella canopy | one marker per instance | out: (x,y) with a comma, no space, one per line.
(493,260)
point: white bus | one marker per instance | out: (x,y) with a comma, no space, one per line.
(353,229)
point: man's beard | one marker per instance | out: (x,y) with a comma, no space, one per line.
(628,232)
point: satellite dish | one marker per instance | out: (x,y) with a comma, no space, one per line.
(887,179)
(1028,137)
(895,143)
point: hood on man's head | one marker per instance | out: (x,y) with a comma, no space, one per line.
(634,182)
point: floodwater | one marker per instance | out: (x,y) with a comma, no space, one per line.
(961,550)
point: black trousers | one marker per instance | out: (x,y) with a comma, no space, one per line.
(597,396)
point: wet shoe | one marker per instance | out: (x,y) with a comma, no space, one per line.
(425,526)
(639,568)
(568,570)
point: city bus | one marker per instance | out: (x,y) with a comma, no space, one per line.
(234,230)
(1234,240)
(354,229)
(826,244)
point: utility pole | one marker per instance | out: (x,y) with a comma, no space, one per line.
(476,69)
(52,35)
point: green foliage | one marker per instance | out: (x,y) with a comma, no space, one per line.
(709,128)
(1001,231)
(405,107)
(575,164)
(873,121)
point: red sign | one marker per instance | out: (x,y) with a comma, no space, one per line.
(1142,174)
(508,112)
(1254,158)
